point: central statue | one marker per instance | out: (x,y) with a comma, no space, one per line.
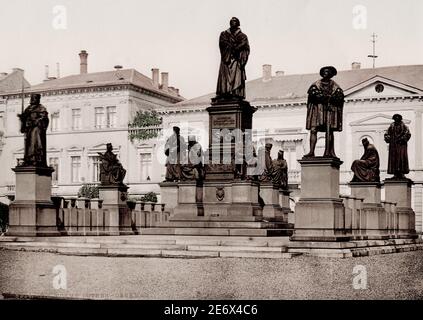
(324,110)
(234,50)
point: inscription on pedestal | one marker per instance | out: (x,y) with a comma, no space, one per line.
(223,121)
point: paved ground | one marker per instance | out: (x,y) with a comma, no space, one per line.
(391,276)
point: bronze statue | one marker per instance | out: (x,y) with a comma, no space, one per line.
(175,150)
(264,156)
(111,170)
(280,171)
(324,110)
(34,123)
(193,170)
(234,50)
(397,137)
(367,168)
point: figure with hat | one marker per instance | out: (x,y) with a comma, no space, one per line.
(367,168)
(324,110)
(34,123)
(111,170)
(175,150)
(234,50)
(397,137)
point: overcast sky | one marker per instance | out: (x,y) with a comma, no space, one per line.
(181,36)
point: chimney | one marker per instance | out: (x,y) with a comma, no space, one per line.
(165,80)
(83,55)
(355,66)
(57,70)
(46,71)
(155,77)
(280,73)
(267,72)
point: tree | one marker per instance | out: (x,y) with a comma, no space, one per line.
(89,191)
(144,119)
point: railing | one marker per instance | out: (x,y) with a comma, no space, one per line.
(151,131)
(82,216)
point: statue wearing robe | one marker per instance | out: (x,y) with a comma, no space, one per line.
(193,170)
(175,150)
(111,170)
(34,123)
(367,168)
(397,137)
(280,171)
(234,50)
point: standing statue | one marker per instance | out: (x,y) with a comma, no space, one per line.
(280,171)
(265,157)
(111,170)
(367,168)
(397,137)
(193,170)
(234,50)
(34,123)
(324,110)
(175,150)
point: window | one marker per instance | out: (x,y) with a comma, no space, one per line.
(75,168)
(95,168)
(145,166)
(111,117)
(99,117)
(76,119)
(54,121)
(54,163)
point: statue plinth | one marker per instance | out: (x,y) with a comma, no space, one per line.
(285,205)
(373,216)
(169,195)
(270,195)
(227,116)
(399,192)
(118,220)
(33,213)
(319,214)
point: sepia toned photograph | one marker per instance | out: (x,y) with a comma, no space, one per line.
(196,151)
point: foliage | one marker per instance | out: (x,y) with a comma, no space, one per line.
(144,119)
(149,197)
(89,191)
(4,217)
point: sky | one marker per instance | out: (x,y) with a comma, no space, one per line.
(181,36)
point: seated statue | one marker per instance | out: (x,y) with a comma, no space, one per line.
(280,171)
(264,157)
(367,168)
(193,170)
(111,170)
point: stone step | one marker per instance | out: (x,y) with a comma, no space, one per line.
(216,232)
(238,218)
(224,224)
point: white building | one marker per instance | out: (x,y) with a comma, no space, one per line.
(86,111)
(372,97)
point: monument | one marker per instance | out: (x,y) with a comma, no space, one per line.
(319,214)
(398,187)
(113,192)
(32,213)
(366,184)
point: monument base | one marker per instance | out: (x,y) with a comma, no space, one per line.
(320,213)
(189,201)
(32,213)
(169,195)
(284,202)
(118,219)
(270,196)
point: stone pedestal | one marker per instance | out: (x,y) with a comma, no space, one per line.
(399,192)
(237,198)
(374,217)
(270,195)
(118,218)
(189,202)
(320,214)
(32,213)
(169,195)
(284,202)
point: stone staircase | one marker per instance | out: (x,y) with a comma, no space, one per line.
(154,246)
(249,226)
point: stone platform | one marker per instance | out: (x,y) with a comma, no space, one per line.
(205,247)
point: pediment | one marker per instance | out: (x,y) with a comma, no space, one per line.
(380,87)
(376,120)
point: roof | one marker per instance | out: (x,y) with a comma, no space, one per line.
(292,87)
(13,81)
(95,79)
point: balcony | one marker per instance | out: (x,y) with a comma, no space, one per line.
(145,133)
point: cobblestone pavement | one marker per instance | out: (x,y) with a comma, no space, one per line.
(391,276)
